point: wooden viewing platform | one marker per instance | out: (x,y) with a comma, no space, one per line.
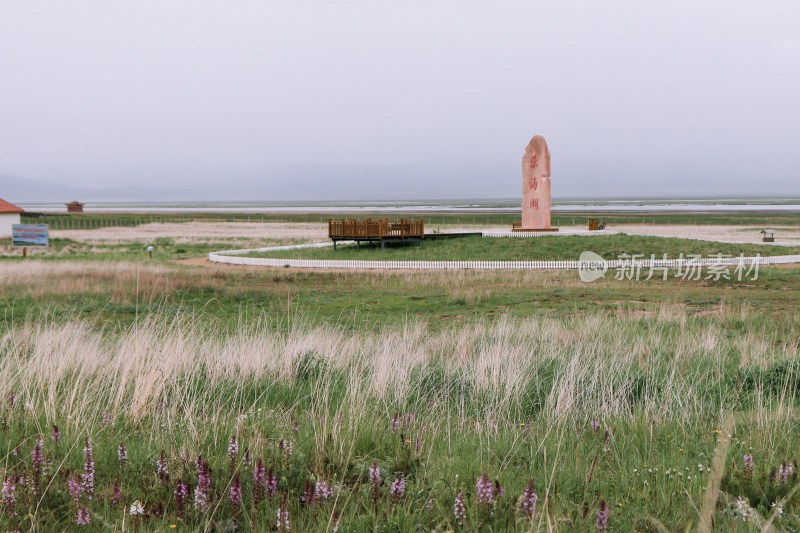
(380,230)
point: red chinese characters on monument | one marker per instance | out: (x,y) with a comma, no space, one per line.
(536,185)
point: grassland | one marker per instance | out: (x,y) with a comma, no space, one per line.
(645,395)
(554,248)
(164,249)
(118,293)
(511,399)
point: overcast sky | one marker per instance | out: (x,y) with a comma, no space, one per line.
(405,98)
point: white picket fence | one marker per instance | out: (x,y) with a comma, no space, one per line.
(561,233)
(233,257)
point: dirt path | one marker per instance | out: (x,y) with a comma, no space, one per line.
(739,234)
(204,262)
(317,232)
(188,230)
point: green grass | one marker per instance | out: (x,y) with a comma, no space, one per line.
(555,248)
(503,372)
(512,400)
(164,249)
(110,293)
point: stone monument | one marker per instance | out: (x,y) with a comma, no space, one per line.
(536,187)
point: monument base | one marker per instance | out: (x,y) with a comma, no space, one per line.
(534,229)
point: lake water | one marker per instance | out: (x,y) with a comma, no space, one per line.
(498,207)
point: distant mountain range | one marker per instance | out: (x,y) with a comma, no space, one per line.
(321,183)
(22,190)
(293,184)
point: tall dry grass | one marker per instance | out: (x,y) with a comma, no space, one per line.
(554,369)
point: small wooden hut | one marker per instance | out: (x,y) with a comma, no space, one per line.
(75,207)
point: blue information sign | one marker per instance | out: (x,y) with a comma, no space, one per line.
(29,234)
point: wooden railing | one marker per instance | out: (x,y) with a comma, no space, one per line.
(376,229)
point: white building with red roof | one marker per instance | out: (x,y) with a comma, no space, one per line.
(9,215)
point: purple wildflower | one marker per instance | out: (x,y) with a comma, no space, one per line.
(75,488)
(398,489)
(395,424)
(56,435)
(272,483)
(106,419)
(181,493)
(203,488)
(606,446)
(12,397)
(233,449)
(88,466)
(602,516)
(408,418)
(417,445)
(459,512)
(296,427)
(235,494)
(484,490)
(122,454)
(117,492)
(15,451)
(308,496)
(259,481)
(37,460)
(595,425)
(286,446)
(783,473)
(283,518)
(749,466)
(322,490)
(7,494)
(83,518)
(529,499)
(161,467)
(375,481)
